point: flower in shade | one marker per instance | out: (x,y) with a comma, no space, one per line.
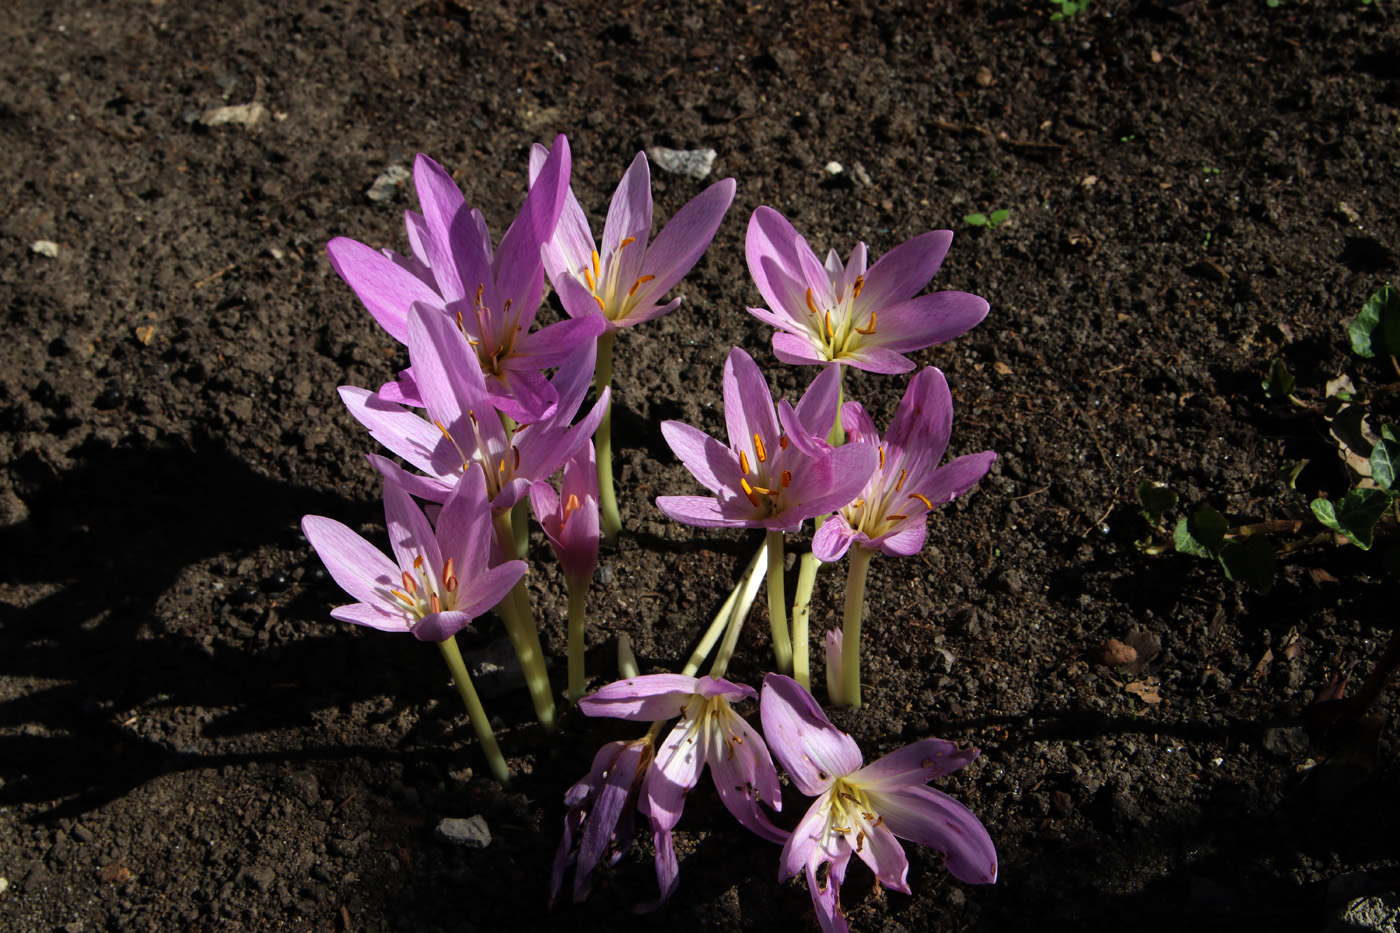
(891,512)
(709,733)
(865,810)
(844,313)
(601,814)
(462,428)
(570,518)
(625,280)
(440,578)
(778,471)
(492,294)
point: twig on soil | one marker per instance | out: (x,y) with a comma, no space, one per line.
(216,275)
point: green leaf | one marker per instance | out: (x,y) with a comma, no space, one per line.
(1385,461)
(1201,534)
(998,217)
(977,220)
(1280,382)
(1250,560)
(1155,498)
(1355,516)
(1377,328)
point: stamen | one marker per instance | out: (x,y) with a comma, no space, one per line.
(451,584)
(744,462)
(924,499)
(900,485)
(592,282)
(638,284)
(405,597)
(831,334)
(787,478)
(447,571)
(748,491)
(627,242)
(811,305)
(869,328)
(501,467)
(758,449)
(479,289)
(516,451)
(596,273)
(434,604)
(418,562)
(882,456)
(570,508)
(855,292)
(895,518)
(860,841)
(783,442)
(601,307)
(408,583)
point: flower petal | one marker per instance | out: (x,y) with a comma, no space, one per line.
(928,320)
(833,539)
(931,818)
(386,289)
(682,242)
(371,617)
(700,511)
(905,270)
(706,458)
(358,567)
(440,626)
(647,698)
(814,752)
(914,764)
(748,406)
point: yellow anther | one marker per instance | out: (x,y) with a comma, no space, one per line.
(811,305)
(900,485)
(744,462)
(882,456)
(638,284)
(601,307)
(860,283)
(596,273)
(405,597)
(592,282)
(924,499)
(570,507)
(501,467)
(748,491)
(758,449)
(831,334)
(869,328)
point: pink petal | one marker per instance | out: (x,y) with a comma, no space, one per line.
(647,698)
(485,589)
(877,359)
(928,320)
(916,764)
(886,858)
(401,431)
(387,290)
(442,204)
(700,511)
(682,242)
(958,477)
(905,270)
(358,567)
(748,405)
(440,626)
(833,539)
(410,534)
(797,350)
(371,617)
(931,818)
(814,752)
(706,458)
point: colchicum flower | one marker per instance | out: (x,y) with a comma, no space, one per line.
(570,518)
(777,472)
(602,814)
(891,513)
(492,294)
(842,313)
(625,280)
(442,579)
(865,810)
(709,733)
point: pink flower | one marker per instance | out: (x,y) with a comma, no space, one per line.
(570,518)
(865,810)
(837,313)
(778,471)
(891,512)
(602,814)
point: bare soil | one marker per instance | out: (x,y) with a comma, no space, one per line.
(188,742)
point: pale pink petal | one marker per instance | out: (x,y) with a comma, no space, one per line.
(905,270)
(957,477)
(796,350)
(814,752)
(709,461)
(387,290)
(833,539)
(928,320)
(442,204)
(700,511)
(485,590)
(748,405)
(440,626)
(410,534)
(916,763)
(358,567)
(647,698)
(402,432)
(876,359)
(682,242)
(931,818)
(886,858)
(371,617)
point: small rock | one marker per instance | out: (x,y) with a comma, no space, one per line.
(244,115)
(1117,654)
(603,575)
(943,660)
(692,163)
(861,175)
(1286,741)
(983,77)
(1348,213)
(1368,915)
(388,184)
(833,168)
(472,832)
(44,248)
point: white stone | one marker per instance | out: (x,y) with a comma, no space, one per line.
(692,163)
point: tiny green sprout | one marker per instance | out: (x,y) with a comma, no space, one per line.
(990,221)
(1067,8)
(1127,139)
(1376,329)
(1279,383)
(1211,170)
(1205,244)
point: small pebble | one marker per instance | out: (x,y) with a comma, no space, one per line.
(45,248)
(277,583)
(471,833)
(693,163)
(111,398)
(1117,654)
(834,168)
(388,184)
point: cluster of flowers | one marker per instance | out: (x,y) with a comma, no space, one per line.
(485,430)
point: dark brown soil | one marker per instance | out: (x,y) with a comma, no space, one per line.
(188,742)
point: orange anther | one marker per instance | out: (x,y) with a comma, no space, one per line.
(516,451)
(924,499)
(758,449)
(787,478)
(450,584)
(418,562)
(811,305)
(447,571)
(638,284)
(744,462)
(783,442)
(831,334)
(596,273)
(869,328)
(748,491)
(433,602)
(627,242)
(860,283)
(570,507)
(900,485)
(592,282)
(408,583)
(882,456)
(601,307)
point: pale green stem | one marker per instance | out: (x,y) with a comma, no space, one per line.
(578,597)
(837,437)
(519,620)
(777,611)
(602,443)
(626,660)
(801,613)
(475,711)
(520,528)
(850,628)
(740,598)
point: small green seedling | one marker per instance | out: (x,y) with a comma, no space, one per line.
(1067,8)
(990,221)
(1280,382)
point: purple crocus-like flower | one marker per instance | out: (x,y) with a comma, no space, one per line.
(442,579)
(492,294)
(626,279)
(778,471)
(861,810)
(601,814)
(891,512)
(462,428)
(844,313)
(709,733)
(570,518)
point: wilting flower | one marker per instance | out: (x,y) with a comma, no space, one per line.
(842,313)
(462,428)
(777,471)
(442,579)
(625,281)
(891,512)
(602,813)
(570,518)
(861,810)
(709,733)
(492,294)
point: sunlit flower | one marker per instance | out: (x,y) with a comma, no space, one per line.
(570,517)
(842,313)
(861,810)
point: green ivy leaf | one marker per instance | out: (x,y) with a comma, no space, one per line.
(1355,516)
(1280,382)
(1201,534)
(1250,560)
(1155,499)
(1385,461)
(1377,328)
